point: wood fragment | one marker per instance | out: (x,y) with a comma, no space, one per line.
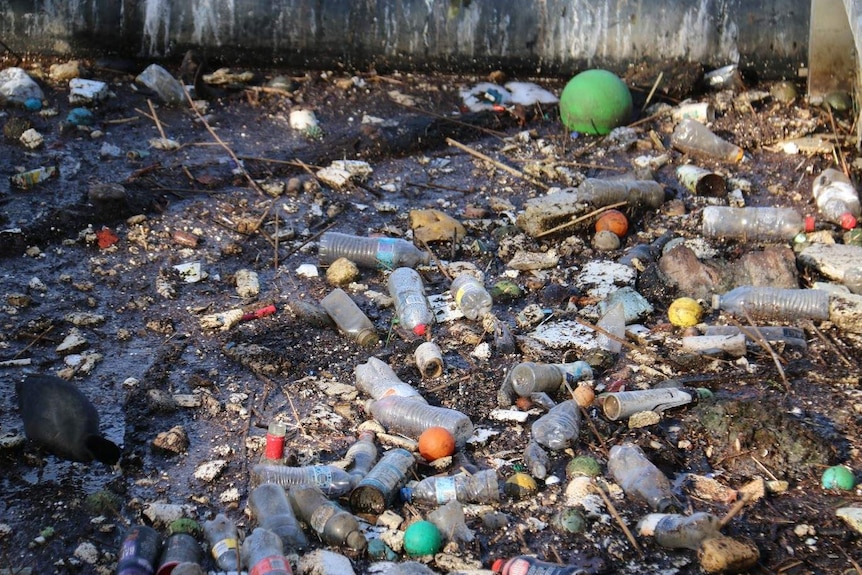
(495,163)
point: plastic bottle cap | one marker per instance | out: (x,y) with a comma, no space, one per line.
(497,566)
(809,223)
(420,329)
(406,494)
(848,222)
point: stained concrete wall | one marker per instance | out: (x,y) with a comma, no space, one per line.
(542,36)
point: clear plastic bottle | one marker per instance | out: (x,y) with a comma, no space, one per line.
(558,428)
(536,459)
(362,454)
(263,553)
(774,303)
(598,192)
(139,551)
(411,417)
(790,336)
(411,306)
(378,380)
(381,253)
(638,476)
(333,481)
(527,565)
(471,297)
(529,377)
(224,543)
(377,489)
(625,403)
(676,531)
(836,198)
(330,521)
(480,487)
(349,318)
(270,507)
(751,223)
(692,137)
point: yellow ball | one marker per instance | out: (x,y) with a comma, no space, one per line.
(684,312)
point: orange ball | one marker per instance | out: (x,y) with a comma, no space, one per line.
(436,442)
(613,221)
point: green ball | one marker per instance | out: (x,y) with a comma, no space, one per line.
(595,102)
(838,477)
(422,538)
(583,465)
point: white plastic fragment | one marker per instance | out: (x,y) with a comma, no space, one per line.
(82,91)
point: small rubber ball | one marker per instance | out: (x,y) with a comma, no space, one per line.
(838,477)
(595,102)
(613,221)
(422,538)
(436,442)
(520,485)
(583,465)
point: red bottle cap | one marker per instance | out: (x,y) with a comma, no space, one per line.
(848,222)
(420,329)
(809,224)
(497,566)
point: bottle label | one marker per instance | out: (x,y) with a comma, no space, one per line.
(320,516)
(445,489)
(322,476)
(529,566)
(272,565)
(224,546)
(460,294)
(386,253)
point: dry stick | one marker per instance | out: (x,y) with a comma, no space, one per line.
(619,519)
(763,467)
(156,119)
(489,131)
(754,334)
(734,511)
(652,91)
(592,166)
(856,565)
(837,147)
(829,344)
(655,116)
(499,165)
(295,163)
(32,343)
(436,261)
(581,218)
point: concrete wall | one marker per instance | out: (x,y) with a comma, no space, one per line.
(547,36)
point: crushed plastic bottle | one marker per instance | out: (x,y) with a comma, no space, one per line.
(536,459)
(349,318)
(638,476)
(752,223)
(224,544)
(263,553)
(381,253)
(558,428)
(529,377)
(411,306)
(378,380)
(471,297)
(774,303)
(480,487)
(411,416)
(676,531)
(362,454)
(332,480)
(272,511)
(692,137)
(836,198)
(334,525)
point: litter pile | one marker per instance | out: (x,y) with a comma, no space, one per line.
(373,325)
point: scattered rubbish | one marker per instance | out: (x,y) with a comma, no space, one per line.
(595,102)
(558,428)
(340,173)
(435,443)
(429,360)
(160,81)
(435,226)
(83,91)
(774,303)
(692,137)
(139,551)
(752,223)
(480,487)
(27,180)
(838,477)
(411,307)
(703,112)
(272,511)
(622,404)
(676,531)
(638,476)
(381,253)
(379,487)
(836,198)
(702,182)
(16,87)
(80,117)
(334,525)
(349,318)
(422,538)
(685,312)
(178,548)
(263,552)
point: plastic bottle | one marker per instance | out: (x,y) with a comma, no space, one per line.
(224,543)
(274,451)
(613,322)
(334,525)
(536,459)
(836,198)
(139,551)
(625,403)
(480,487)
(381,253)
(791,336)
(527,565)
(333,481)
(559,427)
(160,81)
(270,507)
(178,548)
(411,306)
(363,454)
(411,417)
(378,487)
(774,303)
(598,192)
(429,359)
(378,380)
(471,297)
(637,476)
(349,318)
(751,223)
(263,553)
(692,137)
(853,280)
(676,531)
(529,377)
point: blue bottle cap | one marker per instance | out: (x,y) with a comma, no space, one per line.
(407,494)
